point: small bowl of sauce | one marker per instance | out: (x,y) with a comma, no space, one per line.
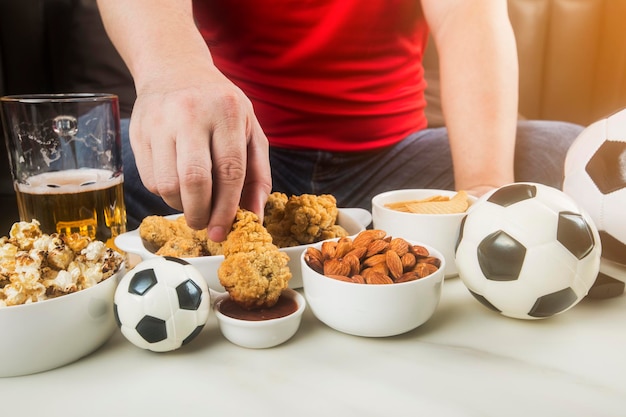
(260,328)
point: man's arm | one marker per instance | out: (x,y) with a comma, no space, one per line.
(479,87)
(194,134)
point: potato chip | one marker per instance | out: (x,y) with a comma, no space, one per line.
(436,204)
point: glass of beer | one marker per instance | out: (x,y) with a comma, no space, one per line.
(66,162)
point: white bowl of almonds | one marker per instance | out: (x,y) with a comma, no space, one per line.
(56,298)
(372,284)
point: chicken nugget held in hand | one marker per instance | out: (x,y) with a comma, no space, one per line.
(254,270)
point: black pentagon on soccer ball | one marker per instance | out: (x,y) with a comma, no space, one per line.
(461,231)
(575,234)
(607,166)
(152,329)
(551,304)
(612,248)
(193,334)
(189,295)
(117,316)
(142,281)
(501,257)
(485,302)
(177,260)
(511,194)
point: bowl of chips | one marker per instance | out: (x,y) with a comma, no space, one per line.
(56,299)
(430,216)
(352,220)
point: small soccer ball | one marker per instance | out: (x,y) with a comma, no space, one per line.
(595,177)
(162,304)
(528,251)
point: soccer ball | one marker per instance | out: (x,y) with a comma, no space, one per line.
(162,304)
(595,177)
(528,251)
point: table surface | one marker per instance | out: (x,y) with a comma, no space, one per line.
(465,361)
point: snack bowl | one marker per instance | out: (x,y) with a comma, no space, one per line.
(258,329)
(48,334)
(373,310)
(440,231)
(352,219)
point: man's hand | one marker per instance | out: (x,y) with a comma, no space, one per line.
(196,140)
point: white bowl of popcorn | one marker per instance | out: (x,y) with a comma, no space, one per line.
(56,303)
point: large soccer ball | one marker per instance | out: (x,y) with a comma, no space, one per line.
(162,304)
(595,177)
(528,251)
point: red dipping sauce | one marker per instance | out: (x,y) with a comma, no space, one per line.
(284,307)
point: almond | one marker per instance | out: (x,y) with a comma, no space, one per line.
(419,250)
(344,246)
(374,260)
(336,267)
(376,246)
(378,278)
(408,261)
(378,269)
(381,267)
(329,249)
(359,279)
(394,264)
(353,262)
(431,260)
(359,252)
(366,236)
(399,246)
(424,269)
(407,276)
(314,259)
(340,278)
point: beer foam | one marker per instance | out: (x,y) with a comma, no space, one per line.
(70,181)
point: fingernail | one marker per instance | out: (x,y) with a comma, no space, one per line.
(217,234)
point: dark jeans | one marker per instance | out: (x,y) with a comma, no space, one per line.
(422,160)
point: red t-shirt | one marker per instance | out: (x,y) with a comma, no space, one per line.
(338,75)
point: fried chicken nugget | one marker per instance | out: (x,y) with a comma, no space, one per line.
(155,231)
(300,220)
(167,237)
(310,216)
(182,247)
(275,208)
(254,271)
(208,247)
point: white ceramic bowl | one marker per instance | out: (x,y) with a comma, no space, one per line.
(352,219)
(373,310)
(48,334)
(440,231)
(260,334)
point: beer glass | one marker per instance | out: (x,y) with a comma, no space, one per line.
(66,162)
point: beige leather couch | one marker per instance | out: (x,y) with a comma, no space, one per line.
(572,57)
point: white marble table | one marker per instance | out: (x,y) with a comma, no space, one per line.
(466,361)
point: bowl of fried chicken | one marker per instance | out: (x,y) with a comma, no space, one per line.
(294,223)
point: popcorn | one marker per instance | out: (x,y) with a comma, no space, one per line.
(35,266)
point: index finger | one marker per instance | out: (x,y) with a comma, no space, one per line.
(194,171)
(229,158)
